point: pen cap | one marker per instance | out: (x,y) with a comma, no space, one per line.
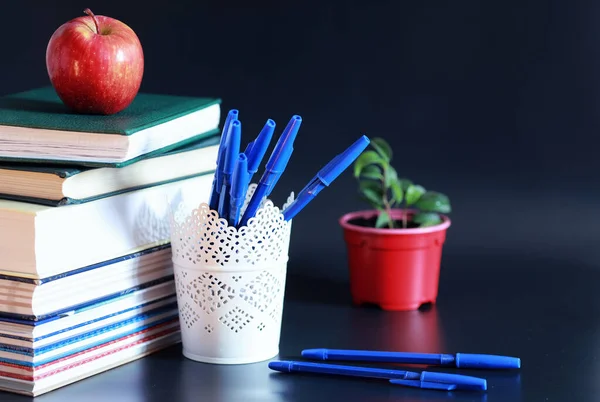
(232,146)
(471,360)
(341,162)
(256,149)
(232,115)
(284,147)
(240,178)
(460,382)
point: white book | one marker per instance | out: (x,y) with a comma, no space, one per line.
(87,327)
(86,286)
(104,312)
(39,241)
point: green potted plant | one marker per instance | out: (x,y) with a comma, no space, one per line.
(394,248)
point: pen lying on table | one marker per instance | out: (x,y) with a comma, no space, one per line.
(425,379)
(459,360)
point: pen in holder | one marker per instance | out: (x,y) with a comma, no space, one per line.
(230,282)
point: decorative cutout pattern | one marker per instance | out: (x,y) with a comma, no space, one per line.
(234,300)
(261,291)
(230,282)
(188,315)
(276,311)
(202,238)
(180,283)
(210,293)
(236,319)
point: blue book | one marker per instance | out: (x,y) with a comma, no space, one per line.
(11,353)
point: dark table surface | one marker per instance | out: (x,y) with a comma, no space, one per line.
(542,310)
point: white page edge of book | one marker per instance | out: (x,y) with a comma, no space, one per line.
(49,303)
(63,363)
(131,264)
(102,365)
(141,173)
(101,322)
(86,341)
(104,148)
(141,221)
(130,300)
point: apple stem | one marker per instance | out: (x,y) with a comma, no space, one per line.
(91,14)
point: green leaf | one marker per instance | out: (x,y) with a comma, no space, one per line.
(404,183)
(427,219)
(371,197)
(433,201)
(382,148)
(371,172)
(371,185)
(372,192)
(382,220)
(413,193)
(365,159)
(397,192)
(390,176)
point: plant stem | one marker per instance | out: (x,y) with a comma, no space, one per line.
(405,218)
(386,202)
(91,14)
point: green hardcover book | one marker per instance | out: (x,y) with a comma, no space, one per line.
(36,127)
(59,185)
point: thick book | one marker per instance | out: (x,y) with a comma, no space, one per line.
(36,127)
(26,332)
(85,286)
(38,241)
(59,185)
(117,319)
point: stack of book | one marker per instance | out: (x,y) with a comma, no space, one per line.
(86,279)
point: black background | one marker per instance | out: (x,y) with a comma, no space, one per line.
(492,103)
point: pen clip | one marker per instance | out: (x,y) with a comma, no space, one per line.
(444,381)
(424,384)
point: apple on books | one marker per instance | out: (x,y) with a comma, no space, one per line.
(95,64)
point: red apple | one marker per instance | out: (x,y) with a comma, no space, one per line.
(95,64)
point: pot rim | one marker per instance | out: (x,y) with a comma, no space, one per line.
(344,221)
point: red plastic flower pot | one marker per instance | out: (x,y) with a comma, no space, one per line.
(396,269)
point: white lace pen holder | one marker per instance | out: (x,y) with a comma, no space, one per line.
(230,283)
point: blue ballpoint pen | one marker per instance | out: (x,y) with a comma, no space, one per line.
(325,177)
(239,187)
(218,177)
(255,151)
(285,162)
(425,379)
(274,168)
(232,150)
(460,360)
